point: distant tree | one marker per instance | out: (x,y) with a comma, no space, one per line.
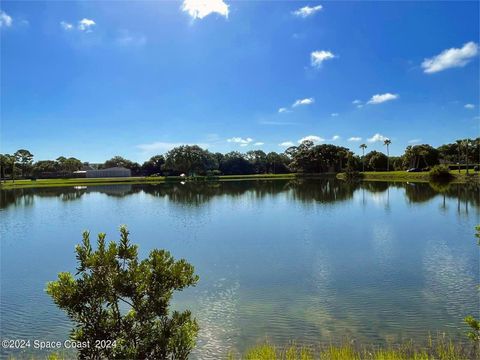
(277,163)
(25,158)
(154,165)
(418,155)
(387,143)
(376,161)
(258,159)
(118,161)
(111,279)
(45,166)
(4,164)
(363,147)
(234,163)
(190,159)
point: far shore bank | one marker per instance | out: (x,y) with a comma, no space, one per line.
(390,176)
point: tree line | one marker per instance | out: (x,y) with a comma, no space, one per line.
(307,157)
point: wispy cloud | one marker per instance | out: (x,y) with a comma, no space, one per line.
(414,141)
(358,103)
(334,114)
(381,98)
(66,26)
(307,11)
(318,57)
(258,143)
(86,25)
(283,110)
(241,141)
(450,58)
(286,144)
(376,138)
(5,19)
(335,138)
(301,102)
(355,138)
(198,9)
(469,106)
(312,138)
(127,38)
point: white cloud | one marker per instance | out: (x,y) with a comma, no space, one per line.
(319,56)
(356,102)
(86,25)
(469,106)
(5,19)
(198,9)
(414,141)
(355,138)
(241,141)
(334,114)
(307,11)
(377,137)
(258,143)
(450,58)
(380,98)
(307,101)
(66,26)
(126,38)
(282,110)
(286,144)
(312,138)
(335,138)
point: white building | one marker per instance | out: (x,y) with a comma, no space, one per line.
(110,172)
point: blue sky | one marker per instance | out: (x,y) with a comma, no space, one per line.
(98,79)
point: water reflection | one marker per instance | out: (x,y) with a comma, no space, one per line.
(325,190)
(305,259)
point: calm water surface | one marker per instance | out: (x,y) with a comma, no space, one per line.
(306,260)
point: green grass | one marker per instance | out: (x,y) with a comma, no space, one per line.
(439,348)
(9,184)
(403,176)
(400,176)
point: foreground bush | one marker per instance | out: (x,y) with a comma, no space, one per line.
(440,173)
(120,305)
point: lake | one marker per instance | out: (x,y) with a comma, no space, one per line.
(315,261)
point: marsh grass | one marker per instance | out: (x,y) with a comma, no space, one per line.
(438,348)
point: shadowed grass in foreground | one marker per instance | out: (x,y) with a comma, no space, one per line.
(440,348)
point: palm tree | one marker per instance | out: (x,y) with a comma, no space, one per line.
(466,142)
(363,147)
(387,142)
(459,146)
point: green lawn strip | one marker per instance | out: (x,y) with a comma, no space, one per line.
(395,176)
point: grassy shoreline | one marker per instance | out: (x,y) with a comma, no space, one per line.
(394,176)
(403,176)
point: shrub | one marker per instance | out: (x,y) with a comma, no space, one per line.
(124,302)
(440,173)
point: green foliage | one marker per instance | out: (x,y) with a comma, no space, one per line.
(420,156)
(235,163)
(190,160)
(440,173)
(118,161)
(116,297)
(439,348)
(154,165)
(376,161)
